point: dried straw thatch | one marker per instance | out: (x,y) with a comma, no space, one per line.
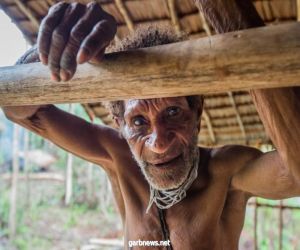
(228,117)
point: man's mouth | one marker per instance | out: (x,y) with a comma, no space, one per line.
(166,162)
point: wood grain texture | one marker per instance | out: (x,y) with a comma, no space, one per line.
(264,57)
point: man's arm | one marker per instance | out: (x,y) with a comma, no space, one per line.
(264,175)
(275,174)
(69,34)
(86,140)
(230,15)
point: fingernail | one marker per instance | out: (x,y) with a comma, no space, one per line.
(64,75)
(55,77)
(44,59)
(82,56)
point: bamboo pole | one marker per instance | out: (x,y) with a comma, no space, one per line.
(174,15)
(28,13)
(124,12)
(205,24)
(209,126)
(255,224)
(265,57)
(69,171)
(298,10)
(26,169)
(14,184)
(238,116)
(35,177)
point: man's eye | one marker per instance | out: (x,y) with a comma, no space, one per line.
(139,121)
(173,111)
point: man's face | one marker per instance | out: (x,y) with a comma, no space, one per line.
(162,135)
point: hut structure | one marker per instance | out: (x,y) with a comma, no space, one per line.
(230,117)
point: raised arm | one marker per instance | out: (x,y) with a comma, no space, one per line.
(275,174)
(69,34)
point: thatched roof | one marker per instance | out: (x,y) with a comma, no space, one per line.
(228,117)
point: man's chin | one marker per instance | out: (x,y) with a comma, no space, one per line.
(166,177)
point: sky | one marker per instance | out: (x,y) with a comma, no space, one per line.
(12,44)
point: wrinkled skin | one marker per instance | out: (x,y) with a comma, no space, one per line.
(167,154)
(74,33)
(160,133)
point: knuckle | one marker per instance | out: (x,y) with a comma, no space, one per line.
(91,44)
(105,28)
(102,26)
(72,48)
(58,7)
(95,10)
(76,5)
(48,21)
(80,30)
(47,24)
(59,36)
(93,5)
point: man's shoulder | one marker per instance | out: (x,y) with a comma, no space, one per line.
(114,136)
(234,152)
(231,158)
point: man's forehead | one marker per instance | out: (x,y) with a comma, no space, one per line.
(154,102)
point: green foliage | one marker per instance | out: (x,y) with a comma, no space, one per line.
(75,214)
(30,241)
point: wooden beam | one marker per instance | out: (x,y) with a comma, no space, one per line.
(174,16)
(298,10)
(35,177)
(266,57)
(124,12)
(35,22)
(238,116)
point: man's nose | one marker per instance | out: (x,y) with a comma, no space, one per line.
(159,140)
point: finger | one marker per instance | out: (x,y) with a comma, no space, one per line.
(79,32)
(96,41)
(60,36)
(49,23)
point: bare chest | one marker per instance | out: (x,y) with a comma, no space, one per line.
(211,218)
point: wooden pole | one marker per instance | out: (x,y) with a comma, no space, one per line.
(26,169)
(298,10)
(264,57)
(174,15)
(89,183)
(14,184)
(35,177)
(124,12)
(28,13)
(69,171)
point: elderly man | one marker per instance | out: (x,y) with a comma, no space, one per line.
(171,194)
